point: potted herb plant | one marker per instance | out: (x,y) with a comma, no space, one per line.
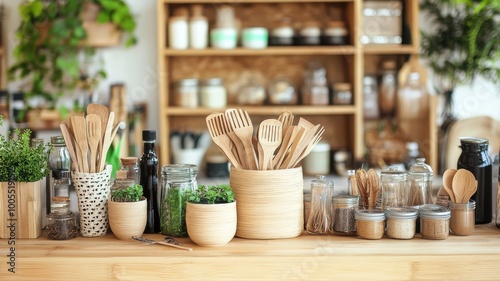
(211,215)
(22,167)
(55,35)
(462,44)
(127,211)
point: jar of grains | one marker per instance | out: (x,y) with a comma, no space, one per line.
(434,222)
(401,223)
(186,93)
(462,220)
(370,224)
(344,210)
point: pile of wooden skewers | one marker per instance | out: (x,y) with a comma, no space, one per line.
(367,186)
(89,137)
(278,144)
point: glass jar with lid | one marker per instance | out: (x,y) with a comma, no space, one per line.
(186,93)
(320,219)
(344,210)
(213,93)
(130,166)
(342,94)
(420,177)
(395,188)
(252,93)
(177,179)
(283,34)
(310,33)
(370,97)
(282,92)
(462,220)
(370,224)
(61,222)
(401,222)
(59,156)
(388,89)
(315,88)
(434,222)
(336,33)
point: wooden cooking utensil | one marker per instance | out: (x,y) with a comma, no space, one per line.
(361,182)
(80,133)
(448,183)
(242,126)
(303,143)
(286,143)
(68,139)
(94,138)
(374,180)
(286,119)
(103,112)
(217,127)
(295,141)
(464,184)
(270,134)
(106,141)
(316,138)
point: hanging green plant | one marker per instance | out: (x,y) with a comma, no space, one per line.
(54,36)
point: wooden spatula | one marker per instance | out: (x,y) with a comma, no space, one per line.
(94,138)
(80,134)
(103,112)
(217,127)
(269,140)
(68,139)
(106,141)
(242,126)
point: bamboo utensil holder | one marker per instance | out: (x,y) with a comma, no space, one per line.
(270,202)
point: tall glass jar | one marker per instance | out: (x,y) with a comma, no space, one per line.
(320,217)
(177,179)
(394,188)
(388,89)
(59,156)
(420,176)
(344,209)
(130,166)
(475,158)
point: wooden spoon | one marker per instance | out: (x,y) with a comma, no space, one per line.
(374,187)
(448,183)
(464,185)
(94,138)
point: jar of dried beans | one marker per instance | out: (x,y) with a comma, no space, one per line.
(434,222)
(401,223)
(370,224)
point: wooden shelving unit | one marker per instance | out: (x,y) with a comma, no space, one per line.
(344,124)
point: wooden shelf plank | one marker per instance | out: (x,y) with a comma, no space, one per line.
(389,49)
(266,110)
(270,51)
(253,1)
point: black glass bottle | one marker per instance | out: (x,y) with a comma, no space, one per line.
(149,181)
(475,158)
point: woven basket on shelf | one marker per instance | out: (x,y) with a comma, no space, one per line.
(92,190)
(270,202)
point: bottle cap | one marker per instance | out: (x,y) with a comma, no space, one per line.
(148,135)
(60,174)
(128,160)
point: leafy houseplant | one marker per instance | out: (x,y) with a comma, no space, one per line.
(127,211)
(211,215)
(50,44)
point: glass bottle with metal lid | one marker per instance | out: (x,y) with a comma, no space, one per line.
(420,177)
(320,217)
(475,158)
(394,188)
(177,179)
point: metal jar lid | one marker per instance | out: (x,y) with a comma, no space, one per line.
(370,215)
(393,173)
(346,199)
(212,82)
(433,211)
(186,169)
(187,82)
(401,213)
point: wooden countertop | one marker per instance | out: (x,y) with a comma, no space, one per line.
(332,257)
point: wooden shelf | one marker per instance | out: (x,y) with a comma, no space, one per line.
(390,49)
(253,1)
(270,51)
(266,110)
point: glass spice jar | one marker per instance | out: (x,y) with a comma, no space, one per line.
(434,222)
(320,220)
(177,179)
(342,94)
(336,33)
(186,93)
(462,221)
(130,166)
(344,210)
(401,223)
(370,224)
(61,222)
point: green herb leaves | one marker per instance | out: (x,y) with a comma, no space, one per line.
(132,193)
(212,194)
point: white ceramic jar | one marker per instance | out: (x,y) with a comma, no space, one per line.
(318,160)
(178,32)
(213,93)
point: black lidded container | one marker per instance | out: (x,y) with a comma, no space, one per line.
(149,181)
(475,158)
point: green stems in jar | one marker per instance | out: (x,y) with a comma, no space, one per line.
(173,220)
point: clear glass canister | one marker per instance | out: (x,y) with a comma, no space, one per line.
(401,222)
(186,93)
(282,91)
(370,224)
(60,185)
(315,89)
(320,220)
(395,188)
(130,166)
(420,177)
(59,156)
(342,94)
(61,222)
(434,222)
(344,210)
(213,93)
(177,179)
(462,221)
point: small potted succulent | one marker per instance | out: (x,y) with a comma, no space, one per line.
(127,211)
(211,215)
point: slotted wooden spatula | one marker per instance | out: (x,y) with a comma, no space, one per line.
(94,138)
(269,139)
